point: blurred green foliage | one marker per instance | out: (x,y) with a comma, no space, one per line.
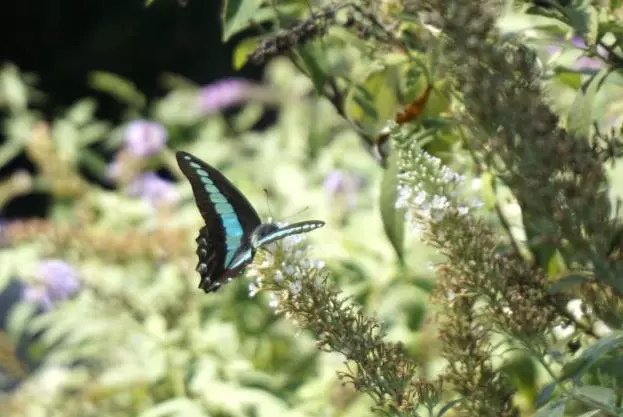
(140,339)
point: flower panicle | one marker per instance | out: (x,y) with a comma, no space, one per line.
(298,288)
(282,272)
(429,189)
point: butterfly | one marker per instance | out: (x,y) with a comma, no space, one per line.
(233,231)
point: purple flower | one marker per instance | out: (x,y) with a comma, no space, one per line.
(59,278)
(57,281)
(38,295)
(223,94)
(155,190)
(144,138)
(343,184)
(583,62)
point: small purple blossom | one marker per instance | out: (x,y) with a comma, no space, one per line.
(38,295)
(59,278)
(144,138)
(155,190)
(223,94)
(57,281)
(343,184)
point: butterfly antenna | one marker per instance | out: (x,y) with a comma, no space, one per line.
(268,205)
(304,209)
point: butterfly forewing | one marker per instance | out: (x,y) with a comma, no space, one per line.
(229,217)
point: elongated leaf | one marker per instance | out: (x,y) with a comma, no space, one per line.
(373,101)
(583,18)
(566,282)
(243,50)
(448,406)
(591,413)
(592,353)
(553,409)
(10,149)
(81,112)
(596,394)
(118,87)
(393,218)
(545,394)
(312,60)
(180,406)
(236,15)
(581,114)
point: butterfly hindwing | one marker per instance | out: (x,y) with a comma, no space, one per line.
(258,240)
(230,220)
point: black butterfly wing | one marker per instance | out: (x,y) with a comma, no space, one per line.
(282,232)
(230,220)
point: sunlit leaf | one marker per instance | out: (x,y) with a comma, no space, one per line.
(393,217)
(597,395)
(373,101)
(312,60)
(553,409)
(566,282)
(243,50)
(81,112)
(580,117)
(118,87)
(545,394)
(174,407)
(236,15)
(592,354)
(584,19)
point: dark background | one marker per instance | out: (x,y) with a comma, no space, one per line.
(63,41)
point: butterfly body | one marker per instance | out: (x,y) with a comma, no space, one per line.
(233,230)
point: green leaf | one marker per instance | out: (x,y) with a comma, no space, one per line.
(580,117)
(555,265)
(553,409)
(248,117)
(596,394)
(10,149)
(118,87)
(560,285)
(311,62)
(592,354)
(545,394)
(181,406)
(393,218)
(236,15)
(373,101)
(243,50)
(448,406)
(13,90)
(66,140)
(583,18)
(591,413)
(19,318)
(81,112)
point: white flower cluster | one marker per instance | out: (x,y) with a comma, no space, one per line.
(428,189)
(286,265)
